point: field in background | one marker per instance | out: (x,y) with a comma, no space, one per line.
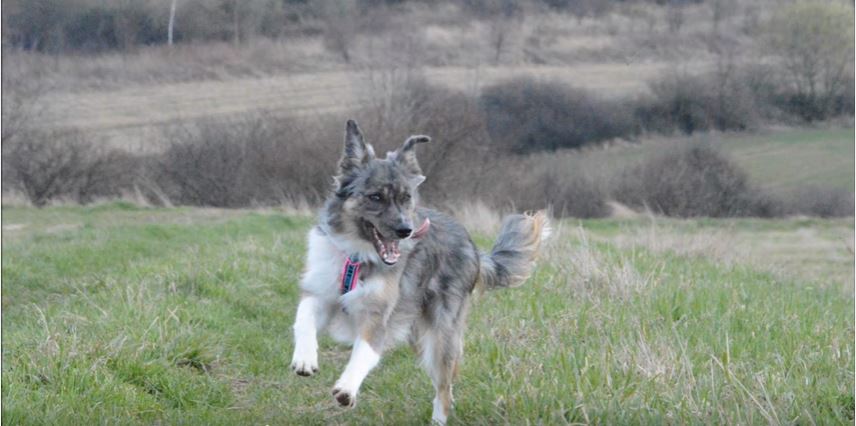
(779,160)
(559,75)
(132,117)
(783,160)
(114,313)
(126,97)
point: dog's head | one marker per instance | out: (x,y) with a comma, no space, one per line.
(376,198)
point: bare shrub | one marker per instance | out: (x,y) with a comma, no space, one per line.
(94,25)
(820,202)
(341,22)
(675,16)
(461,163)
(504,22)
(403,104)
(22,105)
(293,161)
(257,159)
(581,8)
(204,168)
(538,181)
(525,115)
(692,103)
(567,194)
(694,180)
(50,165)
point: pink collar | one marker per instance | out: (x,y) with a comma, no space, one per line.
(351,269)
(422,230)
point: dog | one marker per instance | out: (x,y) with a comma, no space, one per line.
(381,271)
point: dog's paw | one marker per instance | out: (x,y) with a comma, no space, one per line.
(304,368)
(345,398)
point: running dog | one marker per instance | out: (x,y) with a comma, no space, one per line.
(382,271)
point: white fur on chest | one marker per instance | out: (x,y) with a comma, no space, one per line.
(324,263)
(325,260)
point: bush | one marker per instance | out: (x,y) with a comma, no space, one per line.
(90,25)
(56,26)
(820,202)
(51,165)
(568,195)
(205,168)
(524,115)
(459,156)
(257,159)
(691,181)
(562,183)
(697,103)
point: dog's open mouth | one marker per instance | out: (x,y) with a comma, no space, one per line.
(387,249)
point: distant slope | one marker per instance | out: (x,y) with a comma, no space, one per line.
(778,160)
(129,116)
(784,160)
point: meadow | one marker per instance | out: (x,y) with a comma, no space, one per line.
(121,304)
(119,314)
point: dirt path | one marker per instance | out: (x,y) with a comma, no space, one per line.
(129,117)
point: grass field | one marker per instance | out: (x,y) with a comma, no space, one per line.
(131,116)
(777,160)
(790,159)
(118,314)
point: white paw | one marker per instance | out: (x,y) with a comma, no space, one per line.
(304,364)
(344,397)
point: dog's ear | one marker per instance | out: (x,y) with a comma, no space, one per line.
(406,157)
(357,152)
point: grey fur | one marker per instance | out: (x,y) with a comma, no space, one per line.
(435,276)
(510,261)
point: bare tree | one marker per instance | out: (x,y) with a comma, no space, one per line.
(675,16)
(814,41)
(341,20)
(720,11)
(171,21)
(505,22)
(236,23)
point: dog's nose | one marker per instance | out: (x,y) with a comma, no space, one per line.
(403,232)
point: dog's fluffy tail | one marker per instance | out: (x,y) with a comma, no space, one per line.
(510,262)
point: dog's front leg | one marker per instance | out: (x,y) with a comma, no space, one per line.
(305,359)
(364,357)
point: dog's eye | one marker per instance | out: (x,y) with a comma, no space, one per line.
(376,197)
(405,198)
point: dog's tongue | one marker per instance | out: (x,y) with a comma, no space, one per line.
(389,251)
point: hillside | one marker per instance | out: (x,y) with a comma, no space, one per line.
(128,117)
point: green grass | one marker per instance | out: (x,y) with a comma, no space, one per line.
(785,160)
(182,316)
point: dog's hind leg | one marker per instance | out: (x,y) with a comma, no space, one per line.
(309,318)
(441,352)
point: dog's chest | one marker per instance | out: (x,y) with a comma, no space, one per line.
(332,273)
